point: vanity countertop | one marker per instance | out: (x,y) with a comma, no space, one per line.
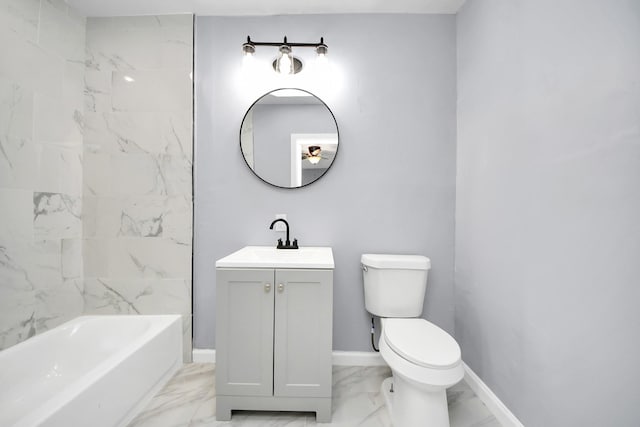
(311,257)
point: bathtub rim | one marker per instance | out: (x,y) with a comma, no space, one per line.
(48,407)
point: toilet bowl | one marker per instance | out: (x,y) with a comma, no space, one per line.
(424,359)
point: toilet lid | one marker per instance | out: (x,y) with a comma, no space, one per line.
(422,343)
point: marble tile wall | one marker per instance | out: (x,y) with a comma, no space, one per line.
(41,155)
(138,159)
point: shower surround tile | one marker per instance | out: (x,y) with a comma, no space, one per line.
(21,17)
(161,42)
(29,65)
(140,132)
(141,296)
(17,152)
(94,194)
(41,97)
(142,216)
(58,169)
(61,33)
(137,90)
(57,216)
(138,161)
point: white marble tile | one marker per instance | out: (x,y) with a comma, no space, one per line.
(136,296)
(140,216)
(29,271)
(149,258)
(97,92)
(17,313)
(21,17)
(141,296)
(140,132)
(96,174)
(77,16)
(137,166)
(177,218)
(16,109)
(138,90)
(187,332)
(56,305)
(471,413)
(138,174)
(30,66)
(60,5)
(161,42)
(45,264)
(59,169)
(32,266)
(357,379)
(60,33)
(189,400)
(17,152)
(176,175)
(71,258)
(95,258)
(74,86)
(56,216)
(16,224)
(17,293)
(147,174)
(57,119)
(18,161)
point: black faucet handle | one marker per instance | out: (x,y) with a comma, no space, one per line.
(295,243)
(280,245)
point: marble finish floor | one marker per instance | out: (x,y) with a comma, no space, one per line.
(188,400)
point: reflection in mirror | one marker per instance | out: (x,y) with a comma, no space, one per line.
(289,138)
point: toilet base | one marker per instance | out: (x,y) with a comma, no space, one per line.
(411,405)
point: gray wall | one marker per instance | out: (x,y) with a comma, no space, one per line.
(391,188)
(548,207)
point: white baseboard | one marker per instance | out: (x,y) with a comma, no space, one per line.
(495,405)
(357,358)
(204,355)
(340,358)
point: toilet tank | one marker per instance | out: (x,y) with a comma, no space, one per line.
(394,285)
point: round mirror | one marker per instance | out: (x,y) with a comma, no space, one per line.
(289,138)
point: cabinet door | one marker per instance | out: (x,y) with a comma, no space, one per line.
(303,333)
(244,332)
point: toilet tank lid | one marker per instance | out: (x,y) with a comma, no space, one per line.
(405,262)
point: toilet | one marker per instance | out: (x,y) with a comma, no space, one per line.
(424,359)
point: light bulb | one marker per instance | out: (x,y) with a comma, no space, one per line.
(284,66)
(247,60)
(322,60)
(285,62)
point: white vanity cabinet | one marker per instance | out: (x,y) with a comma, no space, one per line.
(274,340)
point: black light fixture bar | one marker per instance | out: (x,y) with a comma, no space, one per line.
(286,43)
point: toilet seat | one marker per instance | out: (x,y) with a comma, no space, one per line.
(422,343)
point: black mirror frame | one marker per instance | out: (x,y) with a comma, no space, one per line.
(245,158)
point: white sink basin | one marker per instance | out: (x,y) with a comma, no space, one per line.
(270,257)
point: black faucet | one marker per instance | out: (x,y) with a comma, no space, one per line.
(287,244)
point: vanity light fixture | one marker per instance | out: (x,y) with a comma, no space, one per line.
(286,63)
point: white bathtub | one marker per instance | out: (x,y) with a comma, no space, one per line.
(91,371)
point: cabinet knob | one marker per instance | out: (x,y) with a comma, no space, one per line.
(280,287)
(267,287)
